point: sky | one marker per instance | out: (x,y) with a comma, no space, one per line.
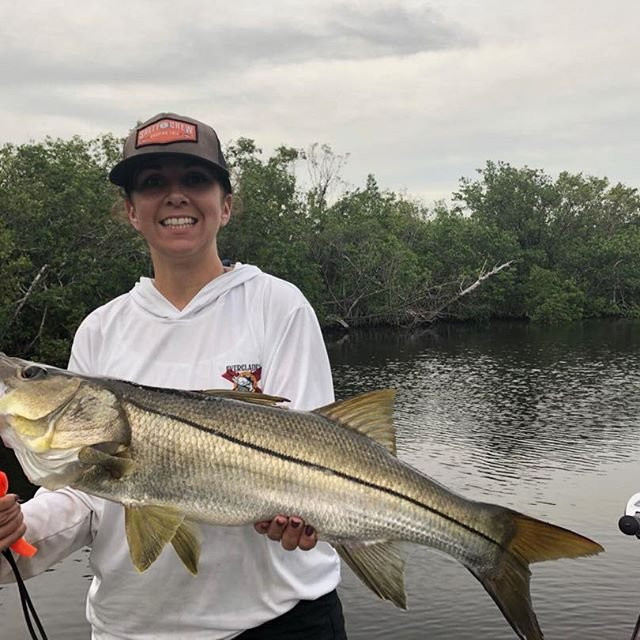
(417,93)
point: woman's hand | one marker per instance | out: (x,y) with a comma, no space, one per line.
(289,530)
(12,527)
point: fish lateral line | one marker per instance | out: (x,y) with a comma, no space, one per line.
(313,465)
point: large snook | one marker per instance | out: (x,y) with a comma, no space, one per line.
(177,457)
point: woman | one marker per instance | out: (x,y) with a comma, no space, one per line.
(195,325)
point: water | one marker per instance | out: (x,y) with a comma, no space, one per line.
(545,421)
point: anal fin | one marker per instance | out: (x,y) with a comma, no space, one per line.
(380,566)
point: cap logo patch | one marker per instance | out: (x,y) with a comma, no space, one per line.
(166,131)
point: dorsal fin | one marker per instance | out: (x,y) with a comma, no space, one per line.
(243,396)
(369,413)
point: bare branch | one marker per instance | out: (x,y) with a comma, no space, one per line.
(434,313)
(483,277)
(28,293)
(323,167)
(39,334)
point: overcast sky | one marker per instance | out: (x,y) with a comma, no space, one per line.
(419,93)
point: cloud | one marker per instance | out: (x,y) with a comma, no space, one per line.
(165,42)
(418,94)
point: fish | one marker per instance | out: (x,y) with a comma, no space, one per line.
(176,458)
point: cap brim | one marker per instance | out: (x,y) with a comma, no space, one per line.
(122,173)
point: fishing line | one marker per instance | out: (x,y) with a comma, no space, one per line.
(28,609)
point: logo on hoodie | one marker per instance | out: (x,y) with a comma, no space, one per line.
(245,377)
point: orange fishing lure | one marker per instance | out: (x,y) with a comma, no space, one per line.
(20,546)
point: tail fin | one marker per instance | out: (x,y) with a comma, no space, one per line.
(508,582)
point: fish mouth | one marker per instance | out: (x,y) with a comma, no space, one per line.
(54,468)
(180,222)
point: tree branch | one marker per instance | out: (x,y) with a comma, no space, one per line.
(28,293)
(432,314)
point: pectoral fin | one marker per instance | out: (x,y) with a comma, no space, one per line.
(380,566)
(149,529)
(116,465)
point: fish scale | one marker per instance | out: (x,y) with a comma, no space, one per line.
(280,449)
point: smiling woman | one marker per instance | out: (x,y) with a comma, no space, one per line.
(179,206)
(177,196)
(195,325)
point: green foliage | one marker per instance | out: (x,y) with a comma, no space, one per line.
(609,269)
(552,299)
(63,253)
(520,201)
(456,248)
(363,249)
(579,228)
(270,227)
(369,256)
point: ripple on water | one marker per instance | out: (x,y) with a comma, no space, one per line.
(546,425)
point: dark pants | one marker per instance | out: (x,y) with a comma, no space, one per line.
(319,619)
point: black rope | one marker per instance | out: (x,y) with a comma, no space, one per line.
(28,609)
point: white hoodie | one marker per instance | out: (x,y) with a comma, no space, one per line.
(244,329)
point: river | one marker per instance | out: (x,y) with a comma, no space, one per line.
(542,420)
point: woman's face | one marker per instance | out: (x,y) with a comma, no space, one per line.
(178,205)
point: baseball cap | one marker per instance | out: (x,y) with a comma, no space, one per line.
(169,133)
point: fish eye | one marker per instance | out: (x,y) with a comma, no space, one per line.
(32,371)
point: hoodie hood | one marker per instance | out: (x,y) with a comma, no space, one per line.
(148,298)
